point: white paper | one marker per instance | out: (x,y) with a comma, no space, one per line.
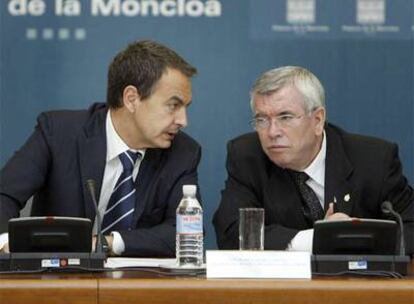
(258,264)
(137,262)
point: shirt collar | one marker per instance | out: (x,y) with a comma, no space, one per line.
(316,170)
(114,143)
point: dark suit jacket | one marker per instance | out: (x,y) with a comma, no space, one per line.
(69,147)
(366,168)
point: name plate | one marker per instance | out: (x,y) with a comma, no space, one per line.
(265,264)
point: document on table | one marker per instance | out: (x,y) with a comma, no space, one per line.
(137,262)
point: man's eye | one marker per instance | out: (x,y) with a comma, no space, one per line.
(261,120)
(285,117)
(172,106)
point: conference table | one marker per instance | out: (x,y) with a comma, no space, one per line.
(149,285)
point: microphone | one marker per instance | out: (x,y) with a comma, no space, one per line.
(387,208)
(90,183)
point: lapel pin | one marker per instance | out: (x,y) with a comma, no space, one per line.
(347,197)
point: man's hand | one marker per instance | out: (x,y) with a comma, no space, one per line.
(5,248)
(331,216)
(109,240)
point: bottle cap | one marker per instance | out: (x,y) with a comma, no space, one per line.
(189,190)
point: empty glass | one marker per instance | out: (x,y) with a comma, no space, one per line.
(251,228)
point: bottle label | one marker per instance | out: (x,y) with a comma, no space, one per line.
(189,223)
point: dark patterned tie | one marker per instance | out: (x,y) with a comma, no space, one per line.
(308,195)
(121,205)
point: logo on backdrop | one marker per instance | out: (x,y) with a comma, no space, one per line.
(370,11)
(107,8)
(300,11)
(301,18)
(324,19)
(370,19)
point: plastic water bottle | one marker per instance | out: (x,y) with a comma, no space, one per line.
(189,237)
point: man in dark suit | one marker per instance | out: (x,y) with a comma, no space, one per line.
(132,147)
(301,169)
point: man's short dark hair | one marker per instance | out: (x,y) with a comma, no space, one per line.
(142,64)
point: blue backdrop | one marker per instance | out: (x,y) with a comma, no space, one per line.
(55,54)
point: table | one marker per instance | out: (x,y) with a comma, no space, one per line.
(149,287)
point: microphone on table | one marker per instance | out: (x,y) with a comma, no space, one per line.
(100,241)
(387,208)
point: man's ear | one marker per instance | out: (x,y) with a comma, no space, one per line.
(320,117)
(130,98)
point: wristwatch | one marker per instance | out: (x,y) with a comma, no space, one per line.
(105,246)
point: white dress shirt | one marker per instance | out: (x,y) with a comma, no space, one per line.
(316,172)
(113,170)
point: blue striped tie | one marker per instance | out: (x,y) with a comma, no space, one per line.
(121,205)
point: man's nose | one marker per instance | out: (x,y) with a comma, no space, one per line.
(181,118)
(274,129)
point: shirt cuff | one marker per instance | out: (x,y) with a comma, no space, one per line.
(302,241)
(4,239)
(118,245)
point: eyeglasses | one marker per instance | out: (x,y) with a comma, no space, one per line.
(282,121)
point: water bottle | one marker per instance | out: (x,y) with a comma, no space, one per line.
(189,237)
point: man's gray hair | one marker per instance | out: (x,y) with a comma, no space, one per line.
(300,78)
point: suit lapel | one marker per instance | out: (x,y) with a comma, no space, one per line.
(147,172)
(337,173)
(92,157)
(284,200)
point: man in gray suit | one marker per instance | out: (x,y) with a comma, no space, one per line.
(301,169)
(132,147)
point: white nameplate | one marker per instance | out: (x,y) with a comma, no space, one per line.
(258,264)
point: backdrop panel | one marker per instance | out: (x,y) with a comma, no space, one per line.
(55,54)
